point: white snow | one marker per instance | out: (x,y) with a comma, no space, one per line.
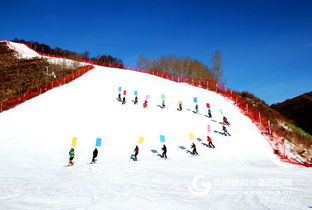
(35,139)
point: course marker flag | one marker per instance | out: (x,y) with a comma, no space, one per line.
(192,137)
(141,140)
(98,142)
(162,138)
(74,142)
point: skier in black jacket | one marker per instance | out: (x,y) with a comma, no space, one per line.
(95,153)
(225,132)
(194,152)
(135,100)
(164,149)
(119,97)
(124,100)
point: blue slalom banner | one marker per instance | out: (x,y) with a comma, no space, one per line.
(162,138)
(98,142)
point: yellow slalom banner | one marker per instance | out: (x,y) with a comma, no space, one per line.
(141,140)
(192,137)
(74,142)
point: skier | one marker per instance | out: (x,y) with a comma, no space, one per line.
(95,153)
(145,104)
(124,100)
(210,144)
(164,149)
(196,108)
(136,152)
(225,132)
(209,113)
(180,106)
(225,121)
(194,152)
(71,156)
(136,100)
(119,97)
(163,104)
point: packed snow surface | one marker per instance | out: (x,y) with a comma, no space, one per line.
(36,136)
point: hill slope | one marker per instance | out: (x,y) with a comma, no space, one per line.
(36,136)
(34,176)
(298,109)
(26,70)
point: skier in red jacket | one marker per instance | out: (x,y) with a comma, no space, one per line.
(180,106)
(225,121)
(136,152)
(145,104)
(210,144)
(163,104)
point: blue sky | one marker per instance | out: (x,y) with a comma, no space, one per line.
(266,45)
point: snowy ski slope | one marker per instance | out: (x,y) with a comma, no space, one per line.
(35,139)
(25,52)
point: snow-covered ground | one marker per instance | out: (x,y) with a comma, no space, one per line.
(35,139)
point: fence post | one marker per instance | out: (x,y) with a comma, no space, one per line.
(284,148)
(247,108)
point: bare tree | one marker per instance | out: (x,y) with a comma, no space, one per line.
(216,63)
(184,65)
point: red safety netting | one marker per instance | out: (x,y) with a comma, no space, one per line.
(276,140)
